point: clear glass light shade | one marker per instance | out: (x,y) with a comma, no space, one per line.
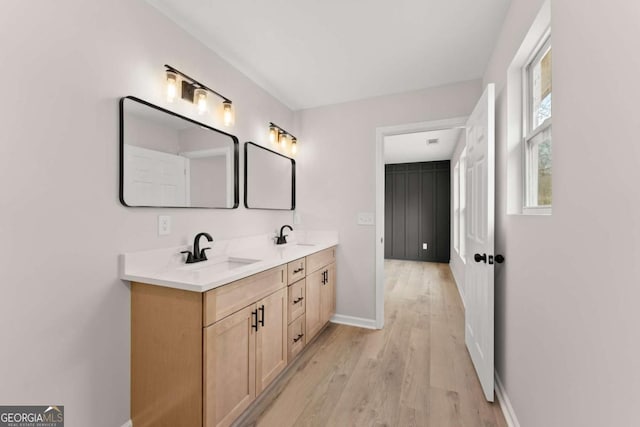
(273,135)
(227,113)
(294,146)
(172,86)
(200,99)
(283,140)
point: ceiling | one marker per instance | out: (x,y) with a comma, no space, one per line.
(413,147)
(309,53)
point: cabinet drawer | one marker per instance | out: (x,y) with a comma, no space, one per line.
(320,259)
(227,299)
(296,299)
(297,339)
(296,270)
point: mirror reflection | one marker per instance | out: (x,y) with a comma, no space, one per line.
(168,160)
(270,179)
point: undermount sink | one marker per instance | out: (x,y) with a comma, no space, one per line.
(219,265)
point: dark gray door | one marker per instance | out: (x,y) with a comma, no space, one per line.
(417,211)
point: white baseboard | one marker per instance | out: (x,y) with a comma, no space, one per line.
(128,424)
(359,322)
(505,404)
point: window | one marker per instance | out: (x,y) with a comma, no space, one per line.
(537,129)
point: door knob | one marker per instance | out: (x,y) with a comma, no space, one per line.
(499,259)
(478,258)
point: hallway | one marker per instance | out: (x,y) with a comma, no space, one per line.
(415,372)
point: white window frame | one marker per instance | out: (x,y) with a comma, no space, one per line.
(530,178)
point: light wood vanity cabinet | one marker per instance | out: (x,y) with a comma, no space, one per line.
(201,359)
(320,291)
(243,353)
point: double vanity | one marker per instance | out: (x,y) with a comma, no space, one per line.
(208,337)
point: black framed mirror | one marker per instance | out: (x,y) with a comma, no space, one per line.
(269,179)
(168,160)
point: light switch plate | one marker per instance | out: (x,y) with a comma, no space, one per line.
(424,246)
(164,225)
(366,218)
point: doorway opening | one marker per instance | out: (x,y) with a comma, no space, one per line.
(416,157)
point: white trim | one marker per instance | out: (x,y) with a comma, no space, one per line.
(128,424)
(455,279)
(381,132)
(359,322)
(505,404)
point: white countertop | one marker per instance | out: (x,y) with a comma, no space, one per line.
(166,267)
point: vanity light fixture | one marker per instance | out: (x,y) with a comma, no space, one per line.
(172,86)
(197,93)
(279,136)
(283,140)
(273,134)
(227,111)
(200,99)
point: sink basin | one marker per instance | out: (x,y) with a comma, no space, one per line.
(218,265)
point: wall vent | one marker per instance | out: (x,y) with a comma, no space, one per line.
(432,141)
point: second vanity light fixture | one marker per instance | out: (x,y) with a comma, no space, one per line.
(279,136)
(193,91)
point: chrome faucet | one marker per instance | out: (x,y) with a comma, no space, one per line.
(282,239)
(198,254)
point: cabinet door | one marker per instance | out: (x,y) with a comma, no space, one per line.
(271,338)
(328,294)
(313,315)
(230,363)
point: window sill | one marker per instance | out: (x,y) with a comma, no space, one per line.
(543,210)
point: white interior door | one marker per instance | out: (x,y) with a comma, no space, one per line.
(480,196)
(154,178)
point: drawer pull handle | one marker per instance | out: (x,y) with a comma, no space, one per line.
(298,270)
(254,318)
(297,300)
(325,277)
(298,338)
(262,315)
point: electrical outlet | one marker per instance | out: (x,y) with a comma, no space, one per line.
(164,225)
(424,246)
(365,218)
(297,218)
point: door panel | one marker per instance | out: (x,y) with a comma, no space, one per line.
(229,368)
(479,286)
(313,322)
(271,338)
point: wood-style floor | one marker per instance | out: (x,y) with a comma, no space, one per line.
(414,372)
